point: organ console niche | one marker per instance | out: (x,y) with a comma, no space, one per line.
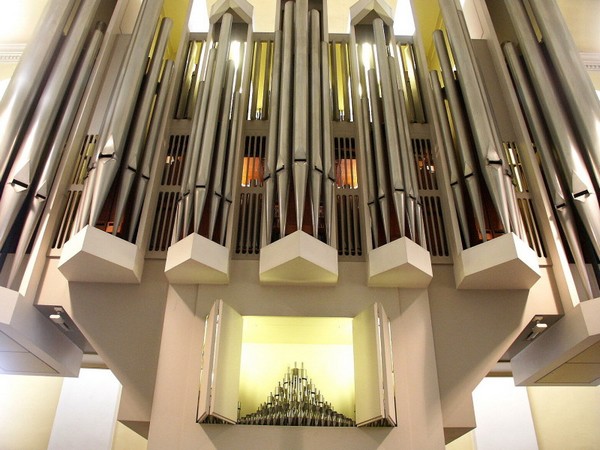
(247,361)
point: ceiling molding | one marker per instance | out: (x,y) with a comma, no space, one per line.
(591,61)
(11,53)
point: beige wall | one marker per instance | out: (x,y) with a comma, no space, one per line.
(126,439)
(27,408)
(566,417)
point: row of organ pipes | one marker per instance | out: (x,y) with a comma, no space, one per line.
(40,130)
(568,150)
(299,160)
(208,174)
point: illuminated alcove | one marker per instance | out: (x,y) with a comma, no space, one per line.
(348,359)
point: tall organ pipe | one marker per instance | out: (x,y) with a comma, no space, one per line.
(316,161)
(328,166)
(450,156)
(32,149)
(46,179)
(462,134)
(488,148)
(579,90)
(271,157)
(284,141)
(371,188)
(224,133)
(151,145)
(25,82)
(214,103)
(556,186)
(379,153)
(578,179)
(116,125)
(300,131)
(397,180)
(140,123)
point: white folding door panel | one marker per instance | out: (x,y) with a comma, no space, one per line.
(373,371)
(221,359)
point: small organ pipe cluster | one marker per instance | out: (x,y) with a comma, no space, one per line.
(296,402)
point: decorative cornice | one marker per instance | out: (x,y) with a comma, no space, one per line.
(11,53)
(591,61)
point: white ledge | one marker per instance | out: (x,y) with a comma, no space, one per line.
(568,353)
(30,344)
(94,256)
(505,262)
(401,264)
(197,260)
(298,259)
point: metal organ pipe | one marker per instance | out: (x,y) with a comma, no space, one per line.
(462,134)
(379,152)
(579,90)
(300,130)
(271,157)
(316,161)
(151,144)
(450,156)
(33,147)
(328,166)
(53,158)
(397,180)
(556,186)
(25,82)
(488,148)
(208,138)
(284,141)
(116,125)
(579,181)
(140,123)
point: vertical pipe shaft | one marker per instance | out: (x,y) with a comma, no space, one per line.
(397,180)
(316,161)
(300,131)
(284,141)
(580,184)
(28,76)
(328,166)
(556,185)
(271,157)
(116,125)
(33,148)
(580,92)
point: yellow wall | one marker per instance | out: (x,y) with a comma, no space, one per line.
(465,442)
(27,408)
(566,417)
(126,439)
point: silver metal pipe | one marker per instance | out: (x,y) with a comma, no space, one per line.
(580,184)
(115,129)
(140,129)
(300,130)
(284,141)
(271,157)
(556,186)
(448,146)
(46,179)
(465,159)
(406,152)
(327,148)
(151,145)
(17,101)
(33,147)
(208,139)
(379,153)
(225,132)
(183,216)
(231,156)
(316,94)
(579,90)
(371,188)
(397,180)
(488,148)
